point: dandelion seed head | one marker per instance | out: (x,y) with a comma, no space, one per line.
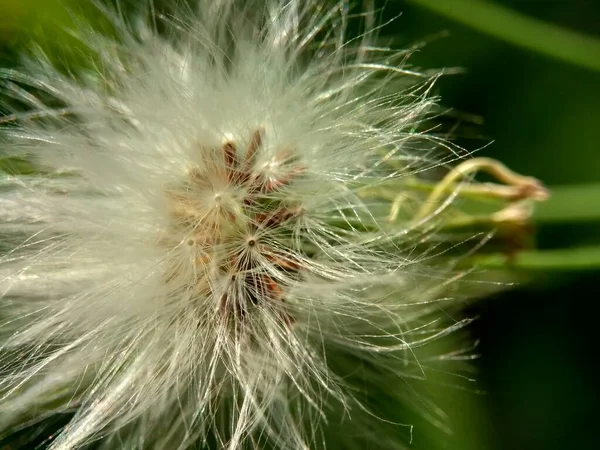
(197,248)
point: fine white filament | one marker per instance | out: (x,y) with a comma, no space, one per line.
(194,264)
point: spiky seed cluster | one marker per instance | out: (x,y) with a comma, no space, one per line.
(233,217)
(195,265)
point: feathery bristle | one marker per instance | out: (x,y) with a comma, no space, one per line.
(195,265)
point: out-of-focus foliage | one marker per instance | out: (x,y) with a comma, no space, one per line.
(542,113)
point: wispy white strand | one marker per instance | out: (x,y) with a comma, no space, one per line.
(194,263)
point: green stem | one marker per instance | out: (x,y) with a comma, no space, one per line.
(580,258)
(566,204)
(577,203)
(491,18)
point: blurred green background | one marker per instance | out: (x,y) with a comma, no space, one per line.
(542,114)
(534,92)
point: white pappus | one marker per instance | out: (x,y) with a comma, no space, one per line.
(194,264)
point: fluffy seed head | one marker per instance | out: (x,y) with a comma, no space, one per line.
(195,263)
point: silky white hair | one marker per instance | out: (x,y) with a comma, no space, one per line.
(193,263)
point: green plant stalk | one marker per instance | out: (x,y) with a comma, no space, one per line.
(491,18)
(575,259)
(574,203)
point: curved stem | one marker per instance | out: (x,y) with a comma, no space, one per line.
(524,187)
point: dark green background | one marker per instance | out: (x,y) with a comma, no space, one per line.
(539,341)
